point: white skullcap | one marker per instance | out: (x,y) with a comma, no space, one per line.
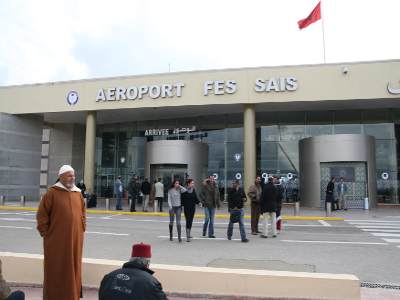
(65,169)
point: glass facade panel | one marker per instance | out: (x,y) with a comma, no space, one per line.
(347,128)
(120,147)
(313,130)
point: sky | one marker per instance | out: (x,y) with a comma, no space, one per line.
(57,40)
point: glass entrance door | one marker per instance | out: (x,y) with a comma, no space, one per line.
(169,173)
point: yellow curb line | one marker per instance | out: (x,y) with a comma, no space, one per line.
(162,214)
(18,208)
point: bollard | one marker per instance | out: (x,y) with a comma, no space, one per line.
(366,203)
(296,208)
(130,202)
(85,202)
(23,201)
(328,209)
(107,204)
(2,200)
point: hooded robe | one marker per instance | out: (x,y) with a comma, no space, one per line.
(61,221)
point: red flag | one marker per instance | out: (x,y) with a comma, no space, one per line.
(314,16)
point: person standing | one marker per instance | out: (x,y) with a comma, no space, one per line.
(81,185)
(189,201)
(236,199)
(5,291)
(175,208)
(330,190)
(159,187)
(118,192)
(61,222)
(254,194)
(342,190)
(152,201)
(134,280)
(279,198)
(146,194)
(209,198)
(268,207)
(134,191)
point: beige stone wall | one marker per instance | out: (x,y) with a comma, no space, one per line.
(315,83)
(28,268)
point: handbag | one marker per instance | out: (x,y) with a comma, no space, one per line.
(235,216)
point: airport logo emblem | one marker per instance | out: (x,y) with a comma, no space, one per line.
(393,90)
(72,97)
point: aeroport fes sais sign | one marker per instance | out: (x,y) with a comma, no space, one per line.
(215,87)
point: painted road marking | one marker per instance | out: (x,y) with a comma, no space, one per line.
(199,238)
(375,224)
(110,216)
(201,222)
(17,213)
(17,219)
(324,223)
(107,233)
(333,242)
(386,234)
(372,221)
(381,230)
(16,227)
(392,240)
(379,227)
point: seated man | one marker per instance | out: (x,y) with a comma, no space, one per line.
(134,281)
(5,292)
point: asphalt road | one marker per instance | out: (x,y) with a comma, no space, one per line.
(366,247)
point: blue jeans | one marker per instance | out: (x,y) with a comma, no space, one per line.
(241,226)
(176,210)
(119,202)
(209,213)
(17,295)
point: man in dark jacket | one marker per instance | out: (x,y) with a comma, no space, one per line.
(236,199)
(330,190)
(269,207)
(146,194)
(209,198)
(134,191)
(134,281)
(254,193)
(5,291)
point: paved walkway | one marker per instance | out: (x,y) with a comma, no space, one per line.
(35,293)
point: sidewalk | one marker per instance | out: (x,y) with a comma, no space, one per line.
(287,211)
(35,293)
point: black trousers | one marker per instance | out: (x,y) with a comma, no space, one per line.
(189,215)
(134,198)
(160,202)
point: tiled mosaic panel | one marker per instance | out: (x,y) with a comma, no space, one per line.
(356,191)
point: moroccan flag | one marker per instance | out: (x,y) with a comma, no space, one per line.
(314,16)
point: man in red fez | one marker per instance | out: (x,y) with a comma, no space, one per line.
(134,281)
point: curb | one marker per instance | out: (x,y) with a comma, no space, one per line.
(162,214)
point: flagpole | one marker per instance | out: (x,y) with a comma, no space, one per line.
(323,30)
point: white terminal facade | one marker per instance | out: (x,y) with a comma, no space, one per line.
(304,123)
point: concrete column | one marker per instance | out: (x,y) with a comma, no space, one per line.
(90,148)
(249,137)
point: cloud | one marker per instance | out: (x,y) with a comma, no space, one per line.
(71,39)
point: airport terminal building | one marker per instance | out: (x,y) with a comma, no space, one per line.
(305,123)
